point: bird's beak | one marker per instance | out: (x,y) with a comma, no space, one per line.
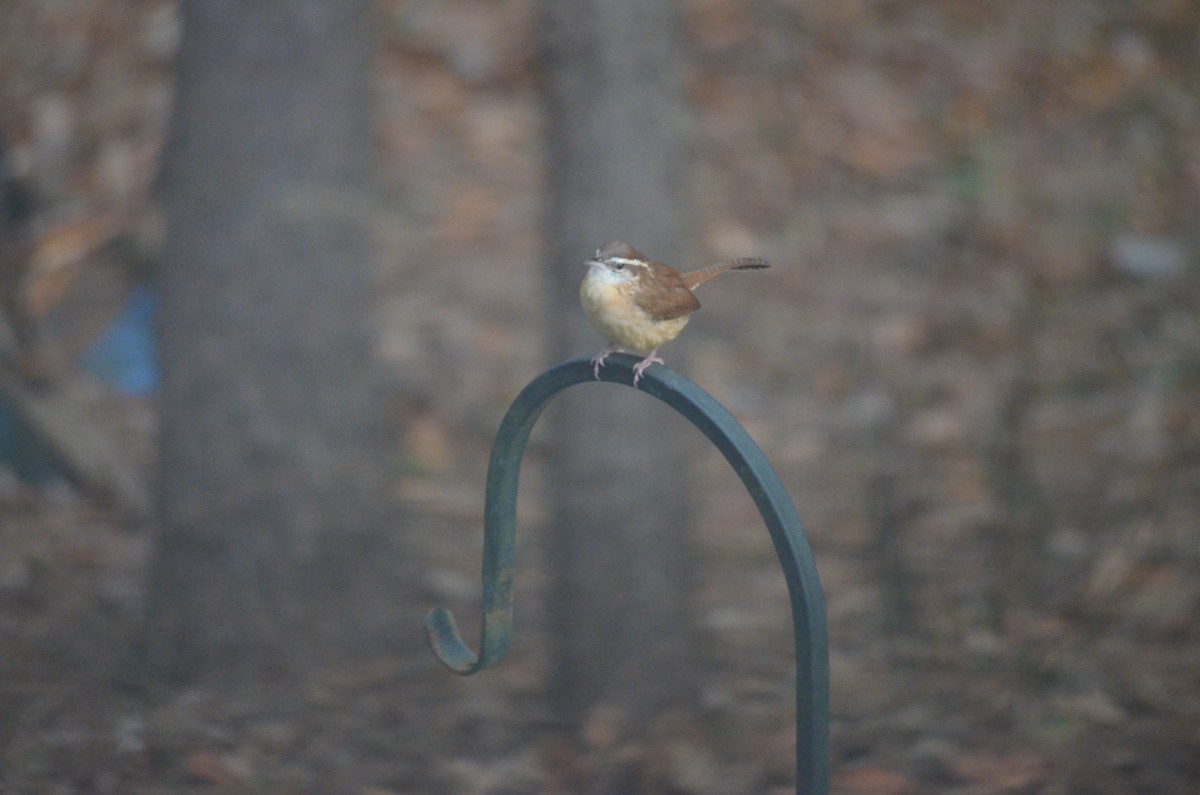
(592,263)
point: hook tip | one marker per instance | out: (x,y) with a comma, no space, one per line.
(447,643)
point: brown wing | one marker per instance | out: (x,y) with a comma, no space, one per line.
(662,293)
(697,278)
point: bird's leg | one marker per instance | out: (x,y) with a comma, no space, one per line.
(641,366)
(598,359)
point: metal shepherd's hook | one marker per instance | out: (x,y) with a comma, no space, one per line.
(699,408)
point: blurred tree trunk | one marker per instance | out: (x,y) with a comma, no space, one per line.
(621,556)
(272,498)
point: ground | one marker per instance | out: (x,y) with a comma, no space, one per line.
(975,365)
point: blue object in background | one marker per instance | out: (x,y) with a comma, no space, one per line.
(125,356)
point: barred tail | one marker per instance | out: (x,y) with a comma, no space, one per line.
(697,278)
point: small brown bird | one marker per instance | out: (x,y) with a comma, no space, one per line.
(639,304)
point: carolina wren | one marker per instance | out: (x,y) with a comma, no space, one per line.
(639,304)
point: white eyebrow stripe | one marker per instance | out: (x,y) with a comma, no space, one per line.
(624,261)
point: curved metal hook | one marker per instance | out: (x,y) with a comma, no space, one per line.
(499,527)
(711,418)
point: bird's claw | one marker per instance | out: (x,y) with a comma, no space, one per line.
(638,369)
(641,366)
(598,360)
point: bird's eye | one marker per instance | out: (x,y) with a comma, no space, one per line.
(620,266)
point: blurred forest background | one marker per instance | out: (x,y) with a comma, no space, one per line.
(975,365)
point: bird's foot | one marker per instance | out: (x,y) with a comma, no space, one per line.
(641,366)
(598,360)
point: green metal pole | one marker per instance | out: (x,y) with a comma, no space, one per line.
(760,480)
